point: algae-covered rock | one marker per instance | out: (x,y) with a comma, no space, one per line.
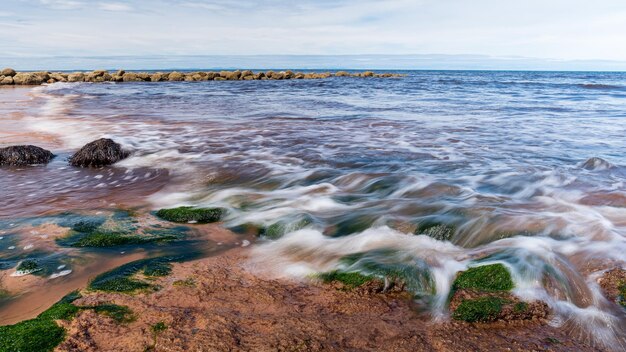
(349,279)
(192,215)
(28,266)
(482,294)
(482,309)
(101,152)
(613,285)
(41,333)
(21,155)
(494,277)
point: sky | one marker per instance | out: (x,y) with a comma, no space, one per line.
(554,30)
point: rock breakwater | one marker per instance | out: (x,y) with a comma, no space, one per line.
(9,76)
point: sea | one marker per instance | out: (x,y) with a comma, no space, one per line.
(429,173)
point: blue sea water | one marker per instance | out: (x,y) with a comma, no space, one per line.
(439,170)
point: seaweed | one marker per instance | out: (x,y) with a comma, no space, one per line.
(282,227)
(157,268)
(520,307)
(484,309)
(189,282)
(488,278)
(41,333)
(119,284)
(350,279)
(192,215)
(158,327)
(121,314)
(28,266)
(355,223)
(394,267)
(622,296)
(121,279)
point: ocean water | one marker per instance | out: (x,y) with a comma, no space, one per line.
(432,172)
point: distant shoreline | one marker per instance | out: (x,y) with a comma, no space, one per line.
(10,77)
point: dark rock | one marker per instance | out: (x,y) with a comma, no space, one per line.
(20,155)
(99,153)
(8,72)
(596,163)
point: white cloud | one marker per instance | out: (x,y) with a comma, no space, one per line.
(532,28)
(114,6)
(62,4)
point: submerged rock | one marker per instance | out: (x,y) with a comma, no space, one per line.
(101,152)
(596,163)
(192,215)
(20,155)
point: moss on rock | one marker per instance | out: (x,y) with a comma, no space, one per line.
(41,333)
(119,284)
(28,266)
(489,278)
(191,215)
(121,314)
(350,279)
(484,309)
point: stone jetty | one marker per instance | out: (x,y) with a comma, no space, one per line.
(9,76)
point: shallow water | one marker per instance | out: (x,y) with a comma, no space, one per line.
(489,165)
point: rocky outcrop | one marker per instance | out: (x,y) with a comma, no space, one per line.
(101,152)
(596,163)
(483,294)
(10,77)
(21,155)
(8,72)
(613,285)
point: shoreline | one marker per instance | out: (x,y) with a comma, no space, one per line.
(10,77)
(216,303)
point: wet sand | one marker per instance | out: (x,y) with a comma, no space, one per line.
(223,307)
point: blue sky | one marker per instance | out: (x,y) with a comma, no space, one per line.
(554,29)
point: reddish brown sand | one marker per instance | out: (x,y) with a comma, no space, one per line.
(222,307)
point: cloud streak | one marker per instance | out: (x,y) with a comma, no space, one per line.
(534,28)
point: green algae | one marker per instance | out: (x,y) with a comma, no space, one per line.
(123,280)
(157,268)
(282,227)
(622,296)
(484,309)
(41,333)
(394,267)
(487,278)
(436,230)
(28,266)
(158,327)
(119,230)
(121,314)
(189,282)
(119,284)
(354,223)
(191,214)
(520,307)
(350,279)
(101,239)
